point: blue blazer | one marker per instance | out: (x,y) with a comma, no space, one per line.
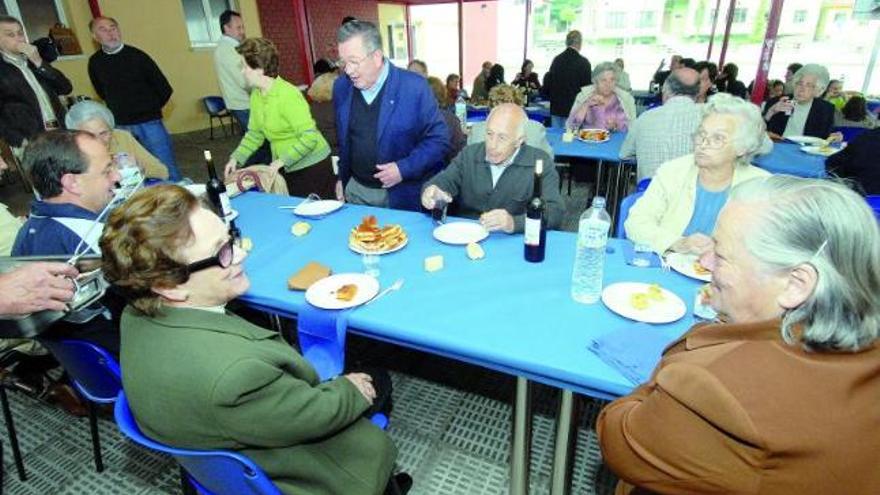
(411,132)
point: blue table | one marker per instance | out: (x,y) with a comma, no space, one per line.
(787,158)
(501,312)
(481,113)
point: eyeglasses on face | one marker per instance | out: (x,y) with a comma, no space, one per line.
(223,258)
(711,141)
(352,64)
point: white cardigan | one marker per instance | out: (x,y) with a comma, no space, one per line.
(660,216)
(626,101)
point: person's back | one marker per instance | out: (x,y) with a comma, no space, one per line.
(568,73)
(859,161)
(664,133)
(199,379)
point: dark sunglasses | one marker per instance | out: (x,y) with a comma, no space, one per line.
(223,258)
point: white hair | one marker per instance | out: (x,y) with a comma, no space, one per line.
(602,68)
(750,137)
(821,73)
(87,110)
(828,226)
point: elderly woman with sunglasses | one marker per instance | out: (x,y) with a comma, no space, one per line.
(197,376)
(779,395)
(679,208)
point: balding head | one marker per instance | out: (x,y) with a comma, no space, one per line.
(682,82)
(505,132)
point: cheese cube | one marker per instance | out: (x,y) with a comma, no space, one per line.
(475,251)
(246,243)
(300,229)
(434,263)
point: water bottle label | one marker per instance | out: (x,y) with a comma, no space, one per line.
(532,232)
(227,206)
(594,234)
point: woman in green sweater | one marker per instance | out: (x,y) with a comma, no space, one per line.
(280,113)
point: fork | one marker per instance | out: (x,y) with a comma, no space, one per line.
(395,286)
(664,263)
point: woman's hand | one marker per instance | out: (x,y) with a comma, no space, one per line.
(276,166)
(229,171)
(693,244)
(340,191)
(783,105)
(596,100)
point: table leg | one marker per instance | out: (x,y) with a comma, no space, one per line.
(522,428)
(560,482)
(617,193)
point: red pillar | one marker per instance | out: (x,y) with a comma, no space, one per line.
(95,8)
(460,44)
(307,54)
(730,11)
(767,51)
(714,23)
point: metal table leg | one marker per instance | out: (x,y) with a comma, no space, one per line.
(522,428)
(599,170)
(560,482)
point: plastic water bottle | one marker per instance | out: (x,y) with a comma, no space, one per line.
(589,261)
(461,109)
(130,174)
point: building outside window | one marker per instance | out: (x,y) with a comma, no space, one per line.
(203,20)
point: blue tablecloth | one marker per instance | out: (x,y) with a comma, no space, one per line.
(787,158)
(873,107)
(608,151)
(500,312)
(479,114)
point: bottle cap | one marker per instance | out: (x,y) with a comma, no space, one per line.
(207,154)
(598,202)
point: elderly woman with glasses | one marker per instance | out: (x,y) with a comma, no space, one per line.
(280,115)
(97,120)
(603,105)
(779,395)
(199,377)
(806,114)
(679,209)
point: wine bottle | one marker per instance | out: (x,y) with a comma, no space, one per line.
(535,232)
(216,190)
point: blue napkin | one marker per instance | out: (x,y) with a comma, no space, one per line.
(321,335)
(634,351)
(629,252)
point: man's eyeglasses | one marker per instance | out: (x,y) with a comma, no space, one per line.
(223,258)
(711,141)
(354,64)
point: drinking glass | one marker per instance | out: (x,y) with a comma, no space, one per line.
(371,264)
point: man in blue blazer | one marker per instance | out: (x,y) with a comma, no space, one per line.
(392,137)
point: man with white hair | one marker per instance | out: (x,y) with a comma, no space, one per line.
(779,396)
(665,132)
(806,113)
(494,180)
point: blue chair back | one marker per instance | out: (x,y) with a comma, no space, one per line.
(625,204)
(321,337)
(214,105)
(643,184)
(850,133)
(94,371)
(212,472)
(874,203)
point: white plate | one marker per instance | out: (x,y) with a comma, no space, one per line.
(197,189)
(317,208)
(322,293)
(819,150)
(616,297)
(702,309)
(578,135)
(805,139)
(684,264)
(361,251)
(460,233)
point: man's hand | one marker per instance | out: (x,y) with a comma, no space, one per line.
(432,194)
(364,384)
(693,244)
(340,191)
(31,52)
(835,137)
(498,219)
(36,286)
(388,174)
(229,171)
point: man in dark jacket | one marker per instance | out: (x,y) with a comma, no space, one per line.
(859,161)
(29,87)
(568,73)
(391,134)
(134,88)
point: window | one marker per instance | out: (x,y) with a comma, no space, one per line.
(615,20)
(739,15)
(37,16)
(800,16)
(647,19)
(203,20)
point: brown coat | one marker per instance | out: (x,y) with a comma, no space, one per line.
(732,409)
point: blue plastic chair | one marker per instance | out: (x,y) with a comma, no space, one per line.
(625,204)
(216,109)
(321,337)
(874,203)
(96,376)
(850,133)
(211,472)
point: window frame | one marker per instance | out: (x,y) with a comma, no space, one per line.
(209,15)
(14,11)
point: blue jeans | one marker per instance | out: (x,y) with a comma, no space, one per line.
(154,137)
(558,122)
(263,156)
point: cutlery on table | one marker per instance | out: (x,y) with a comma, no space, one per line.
(395,286)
